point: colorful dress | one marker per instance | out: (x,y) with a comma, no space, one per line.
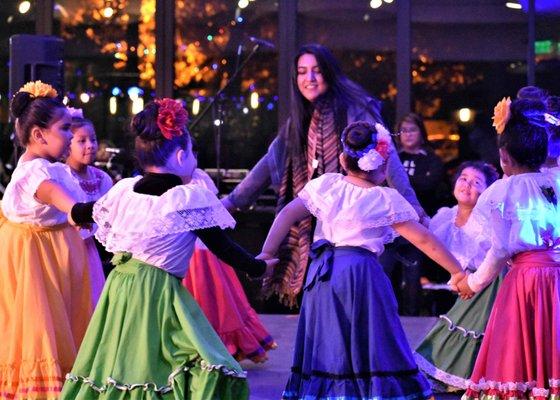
(449,350)
(520,352)
(97,185)
(350,343)
(45,301)
(217,290)
(148,338)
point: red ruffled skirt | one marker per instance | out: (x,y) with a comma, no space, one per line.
(217,290)
(520,352)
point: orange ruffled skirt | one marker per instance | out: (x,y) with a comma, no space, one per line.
(45,307)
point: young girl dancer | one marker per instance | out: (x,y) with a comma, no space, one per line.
(45,301)
(148,337)
(350,343)
(520,353)
(217,290)
(93,182)
(449,351)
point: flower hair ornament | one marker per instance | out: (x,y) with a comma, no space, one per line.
(172,118)
(373,155)
(75,112)
(502,114)
(39,89)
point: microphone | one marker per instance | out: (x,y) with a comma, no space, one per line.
(262,42)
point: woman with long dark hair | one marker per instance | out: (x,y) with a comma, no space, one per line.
(308,145)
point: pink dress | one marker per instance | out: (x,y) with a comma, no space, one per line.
(520,353)
(94,188)
(217,290)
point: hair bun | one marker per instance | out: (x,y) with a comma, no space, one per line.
(144,124)
(19,104)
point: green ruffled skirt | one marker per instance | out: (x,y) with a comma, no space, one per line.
(148,339)
(449,351)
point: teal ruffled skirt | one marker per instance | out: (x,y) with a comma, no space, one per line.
(148,339)
(449,351)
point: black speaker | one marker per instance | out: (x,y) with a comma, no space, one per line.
(36,57)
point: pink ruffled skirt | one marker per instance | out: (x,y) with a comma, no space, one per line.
(520,352)
(217,290)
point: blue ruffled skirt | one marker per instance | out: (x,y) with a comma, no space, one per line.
(350,343)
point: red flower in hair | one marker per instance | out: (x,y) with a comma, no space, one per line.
(172,118)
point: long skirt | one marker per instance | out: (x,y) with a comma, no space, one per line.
(45,307)
(217,290)
(350,343)
(520,352)
(449,351)
(148,339)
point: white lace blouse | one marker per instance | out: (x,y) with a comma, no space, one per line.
(524,215)
(349,215)
(157,229)
(19,203)
(468,243)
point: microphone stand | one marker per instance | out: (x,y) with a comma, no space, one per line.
(218,111)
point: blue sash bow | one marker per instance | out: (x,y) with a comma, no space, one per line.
(321,254)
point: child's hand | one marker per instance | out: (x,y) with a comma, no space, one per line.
(464,289)
(270,264)
(455,279)
(71,221)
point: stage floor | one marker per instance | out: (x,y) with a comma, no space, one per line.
(266,381)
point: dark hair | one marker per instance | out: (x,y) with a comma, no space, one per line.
(532,93)
(341,91)
(488,170)
(553,108)
(80,122)
(151,147)
(356,137)
(30,111)
(417,120)
(525,136)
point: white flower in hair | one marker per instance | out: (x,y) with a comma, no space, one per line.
(375,157)
(75,112)
(370,161)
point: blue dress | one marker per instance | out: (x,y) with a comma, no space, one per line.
(350,343)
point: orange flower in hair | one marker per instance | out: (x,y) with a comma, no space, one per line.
(172,118)
(502,115)
(39,89)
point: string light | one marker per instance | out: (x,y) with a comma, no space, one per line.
(113,105)
(108,12)
(84,98)
(24,7)
(195,106)
(375,3)
(254,101)
(137,105)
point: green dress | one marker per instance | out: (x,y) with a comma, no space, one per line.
(448,353)
(141,346)
(148,338)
